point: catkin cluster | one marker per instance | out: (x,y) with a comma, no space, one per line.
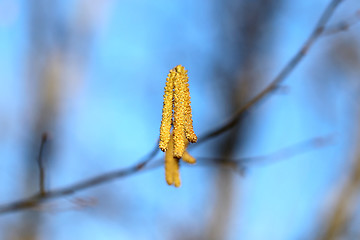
(176,112)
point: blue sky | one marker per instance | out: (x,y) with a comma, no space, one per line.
(110,116)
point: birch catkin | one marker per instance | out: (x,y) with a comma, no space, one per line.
(170,164)
(176,111)
(179,113)
(189,130)
(167,111)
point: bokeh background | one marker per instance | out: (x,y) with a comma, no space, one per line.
(91,75)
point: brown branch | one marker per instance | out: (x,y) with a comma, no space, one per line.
(316,33)
(35,200)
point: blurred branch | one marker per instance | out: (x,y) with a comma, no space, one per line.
(284,153)
(41,165)
(341,214)
(316,33)
(35,200)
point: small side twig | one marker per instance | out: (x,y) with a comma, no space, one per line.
(145,160)
(241,164)
(40,162)
(344,25)
(36,200)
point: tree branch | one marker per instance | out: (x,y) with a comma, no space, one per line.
(284,153)
(36,200)
(316,33)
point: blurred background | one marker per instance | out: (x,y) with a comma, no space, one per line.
(91,75)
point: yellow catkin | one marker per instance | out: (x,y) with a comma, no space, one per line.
(176,111)
(188,158)
(189,130)
(167,111)
(177,181)
(170,163)
(179,113)
(172,172)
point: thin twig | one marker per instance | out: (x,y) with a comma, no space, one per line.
(36,200)
(284,153)
(318,30)
(44,138)
(145,161)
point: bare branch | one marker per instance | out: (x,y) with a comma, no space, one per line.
(41,165)
(35,200)
(284,153)
(318,30)
(238,165)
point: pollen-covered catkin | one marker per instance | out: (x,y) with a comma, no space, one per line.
(167,111)
(177,181)
(179,114)
(170,165)
(189,130)
(172,175)
(188,158)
